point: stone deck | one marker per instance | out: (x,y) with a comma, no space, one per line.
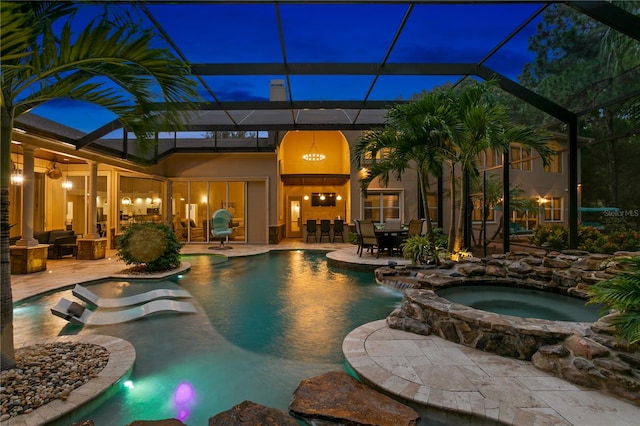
(462,385)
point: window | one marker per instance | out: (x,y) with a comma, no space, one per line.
(379,206)
(489,158)
(520,158)
(527,219)
(194,203)
(555,162)
(380,155)
(552,209)
(432,200)
(476,213)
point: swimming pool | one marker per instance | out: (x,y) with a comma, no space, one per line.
(264,324)
(522,302)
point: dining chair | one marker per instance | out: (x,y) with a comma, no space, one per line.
(359,236)
(325,229)
(415,227)
(338,229)
(311,229)
(392,223)
(369,239)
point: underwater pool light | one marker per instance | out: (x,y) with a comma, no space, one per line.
(128,384)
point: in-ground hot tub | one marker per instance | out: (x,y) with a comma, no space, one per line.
(521,302)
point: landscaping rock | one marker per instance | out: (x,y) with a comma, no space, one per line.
(249,413)
(338,398)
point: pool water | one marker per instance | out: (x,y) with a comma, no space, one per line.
(522,302)
(264,324)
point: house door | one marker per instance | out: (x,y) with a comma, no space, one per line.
(294,222)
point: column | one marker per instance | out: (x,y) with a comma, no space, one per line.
(92,228)
(27,240)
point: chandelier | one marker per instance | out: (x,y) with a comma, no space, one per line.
(16,174)
(66,183)
(313,154)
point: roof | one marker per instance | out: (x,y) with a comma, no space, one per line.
(281,65)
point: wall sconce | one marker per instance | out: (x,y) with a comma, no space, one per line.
(306,197)
(126,201)
(542,200)
(338,197)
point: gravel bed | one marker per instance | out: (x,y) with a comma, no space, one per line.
(47,372)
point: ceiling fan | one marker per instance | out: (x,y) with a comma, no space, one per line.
(53,172)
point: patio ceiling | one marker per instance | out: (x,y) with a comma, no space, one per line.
(342,64)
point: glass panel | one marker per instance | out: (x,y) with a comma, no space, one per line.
(179,192)
(76,204)
(294,223)
(197,211)
(237,209)
(102,206)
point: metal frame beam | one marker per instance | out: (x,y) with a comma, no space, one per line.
(610,15)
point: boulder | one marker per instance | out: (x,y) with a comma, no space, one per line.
(518,267)
(338,398)
(164,422)
(555,263)
(472,270)
(249,413)
(585,348)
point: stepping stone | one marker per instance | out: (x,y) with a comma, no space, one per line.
(338,398)
(249,413)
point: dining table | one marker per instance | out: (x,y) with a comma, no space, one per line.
(389,239)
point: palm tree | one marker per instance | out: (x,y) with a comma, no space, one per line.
(622,293)
(413,138)
(110,65)
(485,125)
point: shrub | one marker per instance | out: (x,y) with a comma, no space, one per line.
(553,235)
(589,239)
(352,238)
(420,250)
(152,245)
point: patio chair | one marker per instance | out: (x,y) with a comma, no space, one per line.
(338,229)
(325,229)
(312,228)
(220,226)
(359,236)
(77,314)
(369,239)
(415,227)
(91,298)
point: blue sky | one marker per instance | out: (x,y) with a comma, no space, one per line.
(339,33)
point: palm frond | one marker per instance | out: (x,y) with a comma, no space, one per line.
(622,293)
(63,67)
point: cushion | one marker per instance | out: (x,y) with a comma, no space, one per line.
(76,309)
(42,237)
(55,233)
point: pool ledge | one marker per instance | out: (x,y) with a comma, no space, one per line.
(122,356)
(452,383)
